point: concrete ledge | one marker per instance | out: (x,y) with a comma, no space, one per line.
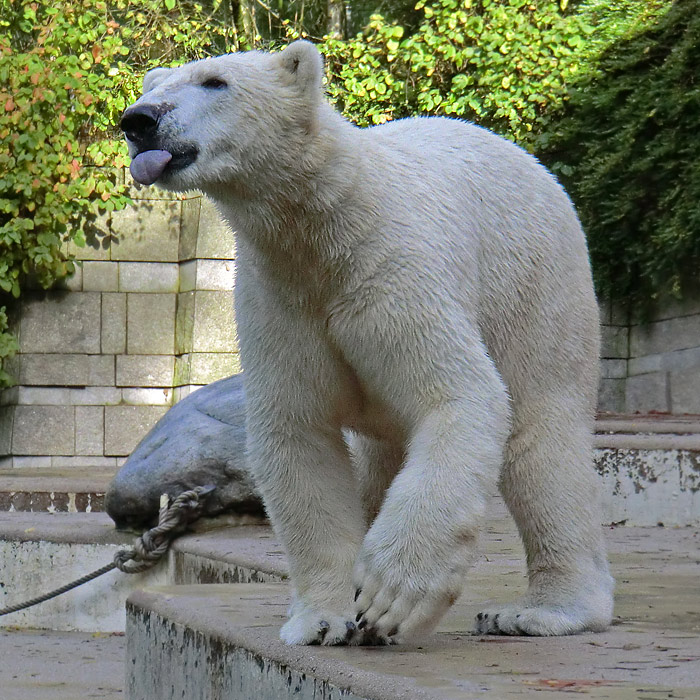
(221,641)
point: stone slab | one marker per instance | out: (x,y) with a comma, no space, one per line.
(125,426)
(61,322)
(58,369)
(150,324)
(147,231)
(100,276)
(222,640)
(43,430)
(113,331)
(214,326)
(145,370)
(149,277)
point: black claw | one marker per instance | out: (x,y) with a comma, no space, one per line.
(357,593)
(358,616)
(394,632)
(362,624)
(480,617)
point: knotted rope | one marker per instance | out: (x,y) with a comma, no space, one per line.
(148,549)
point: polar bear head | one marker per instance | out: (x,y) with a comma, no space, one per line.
(220,120)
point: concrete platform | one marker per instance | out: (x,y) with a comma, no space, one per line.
(41,551)
(221,641)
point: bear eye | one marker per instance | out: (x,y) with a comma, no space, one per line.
(214,84)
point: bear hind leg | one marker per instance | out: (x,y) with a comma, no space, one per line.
(550,487)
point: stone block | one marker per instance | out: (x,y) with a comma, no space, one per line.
(66,370)
(98,237)
(100,370)
(647,392)
(209,367)
(214,326)
(150,324)
(611,395)
(216,238)
(80,462)
(147,397)
(94,396)
(216,275)
(613,369)
(665,336)
(9,397)
(685,391)
(673,361)
(7,415)
(188,276)
(125,426)
(30,462)
(43,396)
(148,277)
(100,276)
(89,430)
(189,231)
(67,322)
(147,231)
(43,430)
(184,323)
(614,342)
(113,331)
(145,370)
(74,283)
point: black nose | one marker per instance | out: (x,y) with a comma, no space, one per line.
(140,122)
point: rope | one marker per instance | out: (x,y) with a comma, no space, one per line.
(148,549)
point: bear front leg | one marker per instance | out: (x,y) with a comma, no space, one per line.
(414,559)
(302,469)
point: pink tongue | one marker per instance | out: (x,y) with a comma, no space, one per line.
(148,166)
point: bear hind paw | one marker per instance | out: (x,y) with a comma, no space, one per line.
(537,621)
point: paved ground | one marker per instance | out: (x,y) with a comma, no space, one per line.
(40,665)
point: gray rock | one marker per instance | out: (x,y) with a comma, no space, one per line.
(199,441)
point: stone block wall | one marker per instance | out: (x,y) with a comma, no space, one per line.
(147,317)
(652,366)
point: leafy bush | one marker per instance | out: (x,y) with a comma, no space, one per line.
(67,70)
(501,64)
(627,147)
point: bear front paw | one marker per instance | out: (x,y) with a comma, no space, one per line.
(396,602)
(310,627)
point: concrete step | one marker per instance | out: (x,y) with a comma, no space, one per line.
(222,641)
(42,551)
(53,490)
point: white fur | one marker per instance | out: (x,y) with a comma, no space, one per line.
(422,288)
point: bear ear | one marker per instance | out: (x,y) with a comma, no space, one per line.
(154,78)
(303,64)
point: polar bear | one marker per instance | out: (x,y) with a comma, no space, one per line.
(417,325)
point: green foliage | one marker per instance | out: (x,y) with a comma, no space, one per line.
(627,147)
(67,70)
(501,64)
